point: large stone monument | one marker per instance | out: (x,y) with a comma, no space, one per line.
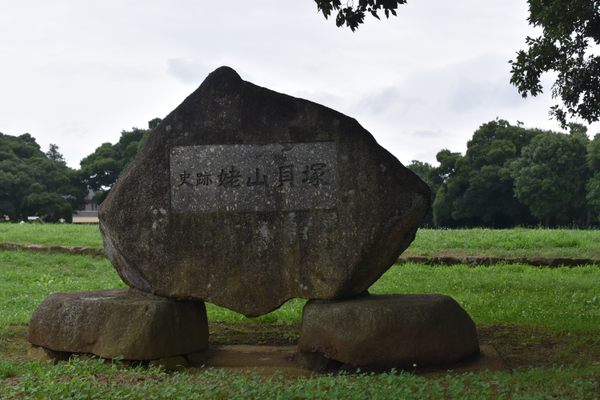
(245,198)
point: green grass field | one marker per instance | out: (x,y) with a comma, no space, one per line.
(518,242)
(51,234)
(85,379)
(544,322)
(559,298)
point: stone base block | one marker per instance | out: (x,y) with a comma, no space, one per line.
(402,331)
(119,323)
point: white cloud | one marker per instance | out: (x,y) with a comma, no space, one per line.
(186,70)
(77,73)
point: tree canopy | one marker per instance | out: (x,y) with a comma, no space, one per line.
(34,183)
(593,184)
(352,15)
(101,169)
(550,178)
(430,175)
(477,188)
(511,175)
(568,47)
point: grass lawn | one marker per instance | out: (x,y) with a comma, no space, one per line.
(518,242)
(93,379)
(51,234)
(545,323)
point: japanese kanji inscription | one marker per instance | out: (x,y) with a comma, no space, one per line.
(253,177)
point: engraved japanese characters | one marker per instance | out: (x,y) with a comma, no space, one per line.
(249,177)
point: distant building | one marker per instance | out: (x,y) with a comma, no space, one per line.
(89,214)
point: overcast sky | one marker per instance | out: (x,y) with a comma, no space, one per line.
(76,73)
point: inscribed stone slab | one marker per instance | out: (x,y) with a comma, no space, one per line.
(253,177)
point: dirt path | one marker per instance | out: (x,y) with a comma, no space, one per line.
(442,259)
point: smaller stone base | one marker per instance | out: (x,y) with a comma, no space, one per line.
(119,323)
(381,332)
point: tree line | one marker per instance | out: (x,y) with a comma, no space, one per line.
(515,176)
(509,176)
(34,183)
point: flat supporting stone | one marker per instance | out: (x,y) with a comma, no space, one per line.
(380,332)
(119,323)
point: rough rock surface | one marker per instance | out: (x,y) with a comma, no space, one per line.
(245,197)
(122,323)
(404,331)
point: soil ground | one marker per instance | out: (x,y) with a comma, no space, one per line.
(519,346)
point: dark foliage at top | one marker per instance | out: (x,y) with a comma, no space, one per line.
(570,31)
(352,15)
